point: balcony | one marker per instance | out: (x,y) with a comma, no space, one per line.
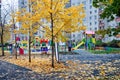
(101,24)
(117,19)
(100,12)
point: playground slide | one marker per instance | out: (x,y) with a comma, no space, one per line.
(81,43)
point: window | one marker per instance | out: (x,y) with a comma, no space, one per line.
(95,22)
(95,11)
(73,4)
(78,35)
(90,23)
(90,6)
(25,2)
(95,28)
(95,17)
(103,27)
(90,1)
(85,8)
(84,2)
(90,17)
(90,12)
(84,19)
(22,3)
(108,20)
(90,28)
(73,35)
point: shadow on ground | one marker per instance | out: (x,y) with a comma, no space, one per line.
(10,71)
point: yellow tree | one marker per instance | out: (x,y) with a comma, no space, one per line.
(29,22)
(53,17)
(59,19)
(6,34)
(13,26)
(13,23)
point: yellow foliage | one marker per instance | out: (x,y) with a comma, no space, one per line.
(64,19)
(83,28)
(111,1)
(6,33)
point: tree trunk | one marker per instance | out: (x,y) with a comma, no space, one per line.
(15,48)
(52,45)
(2,42)
(29,50)
(29,47)
(15,41)
(51,15)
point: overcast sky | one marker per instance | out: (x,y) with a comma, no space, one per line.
(6,8)
(7,4)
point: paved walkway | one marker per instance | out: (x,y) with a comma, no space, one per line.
(87,56)
(95,61)
(91,61)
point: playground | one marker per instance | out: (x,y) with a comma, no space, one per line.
(43,45)
(88,42)
(38,46)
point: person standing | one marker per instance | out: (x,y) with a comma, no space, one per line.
(69,46)
(94,42)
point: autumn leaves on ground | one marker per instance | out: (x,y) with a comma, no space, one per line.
(42,65)
(70,70)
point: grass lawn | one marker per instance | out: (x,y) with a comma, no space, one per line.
(68,53)
(104,51)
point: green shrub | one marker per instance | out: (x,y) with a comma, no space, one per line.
(99,43)
(114,43)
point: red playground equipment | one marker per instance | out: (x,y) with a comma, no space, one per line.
(21,51)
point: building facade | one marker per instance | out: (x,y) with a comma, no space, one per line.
(106,23)
(90,21)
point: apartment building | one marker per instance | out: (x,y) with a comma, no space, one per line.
(90,21)
(106,23)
